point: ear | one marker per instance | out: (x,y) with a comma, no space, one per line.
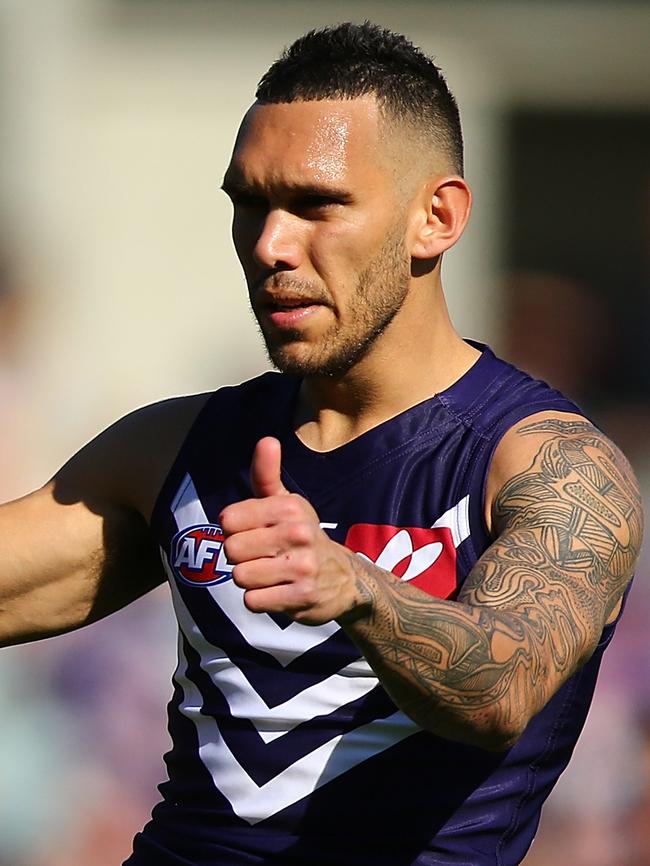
(439,216)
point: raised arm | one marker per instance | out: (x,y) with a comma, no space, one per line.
(565,511)
(79,548)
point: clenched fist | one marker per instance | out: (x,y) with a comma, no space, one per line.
(282,558)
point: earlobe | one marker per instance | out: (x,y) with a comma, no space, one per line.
(442,215)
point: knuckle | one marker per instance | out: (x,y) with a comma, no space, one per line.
(305,566)
(299,533)
(293,505)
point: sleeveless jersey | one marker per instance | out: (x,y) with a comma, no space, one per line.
(286,749)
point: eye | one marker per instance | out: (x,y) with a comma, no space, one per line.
(319,200)
(316,203)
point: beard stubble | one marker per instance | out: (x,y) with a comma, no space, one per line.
(378,296)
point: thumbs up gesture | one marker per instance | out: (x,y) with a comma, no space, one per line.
(265,469)
(282,558)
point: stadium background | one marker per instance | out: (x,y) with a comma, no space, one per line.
(118,286)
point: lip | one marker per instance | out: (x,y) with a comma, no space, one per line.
(289,316)
(287,310)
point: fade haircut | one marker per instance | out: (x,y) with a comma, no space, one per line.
(348,61)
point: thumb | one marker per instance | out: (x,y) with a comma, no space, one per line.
(265,468)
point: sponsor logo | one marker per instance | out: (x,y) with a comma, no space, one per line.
(198,557)
(424,557)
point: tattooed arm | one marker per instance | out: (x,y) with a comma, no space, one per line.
(564,507)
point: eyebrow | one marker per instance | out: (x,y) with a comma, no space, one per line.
(237,186)
(232,185)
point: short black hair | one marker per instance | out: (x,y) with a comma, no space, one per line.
(348,60)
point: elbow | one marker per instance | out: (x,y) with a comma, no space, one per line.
(499,728)
(488,731)
(495,738)
(500,739)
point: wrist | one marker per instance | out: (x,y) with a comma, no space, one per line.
(361,607)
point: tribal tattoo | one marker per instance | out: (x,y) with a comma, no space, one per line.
(531,610)
(581,495)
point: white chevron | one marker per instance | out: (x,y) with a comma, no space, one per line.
(350,683)
(253,802)
(283,644)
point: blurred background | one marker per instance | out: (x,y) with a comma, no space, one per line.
(119,286)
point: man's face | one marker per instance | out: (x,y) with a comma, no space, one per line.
(318,230)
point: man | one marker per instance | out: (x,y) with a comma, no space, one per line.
(396,564)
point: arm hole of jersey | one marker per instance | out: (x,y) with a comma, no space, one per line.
(173,476)
(480,464)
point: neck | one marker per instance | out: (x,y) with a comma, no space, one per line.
(405,366)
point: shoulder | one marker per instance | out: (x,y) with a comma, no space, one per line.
(556,469)
(492,402)
(127,463)
(493,395)
(555,442)
(521,443)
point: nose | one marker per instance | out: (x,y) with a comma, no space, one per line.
(278,246)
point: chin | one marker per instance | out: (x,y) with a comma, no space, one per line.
(305,365)
(304,368)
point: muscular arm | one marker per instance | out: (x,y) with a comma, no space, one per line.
(80,547)
(568,523)
(64,563)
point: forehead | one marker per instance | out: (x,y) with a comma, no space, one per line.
(324,140)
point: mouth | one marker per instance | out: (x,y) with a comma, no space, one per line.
(286,311)
(288,316)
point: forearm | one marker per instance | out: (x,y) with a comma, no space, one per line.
(529,613)
(531,610)
(463,671)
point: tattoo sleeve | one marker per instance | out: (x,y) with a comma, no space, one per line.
(531,610)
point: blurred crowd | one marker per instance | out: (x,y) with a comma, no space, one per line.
(83,716)
(95,128)
(599,814)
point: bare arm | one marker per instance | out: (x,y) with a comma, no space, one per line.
(62,564)
(532,609)
(565,510)
(80,548)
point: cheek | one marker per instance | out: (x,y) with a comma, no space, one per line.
(345,247)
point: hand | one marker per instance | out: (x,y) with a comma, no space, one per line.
(283,559)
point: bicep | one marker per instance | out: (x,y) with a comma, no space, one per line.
(567,515)
(63,565)
(78,548)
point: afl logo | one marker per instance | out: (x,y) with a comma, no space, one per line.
(198,556)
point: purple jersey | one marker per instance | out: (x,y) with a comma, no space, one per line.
(286,749)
